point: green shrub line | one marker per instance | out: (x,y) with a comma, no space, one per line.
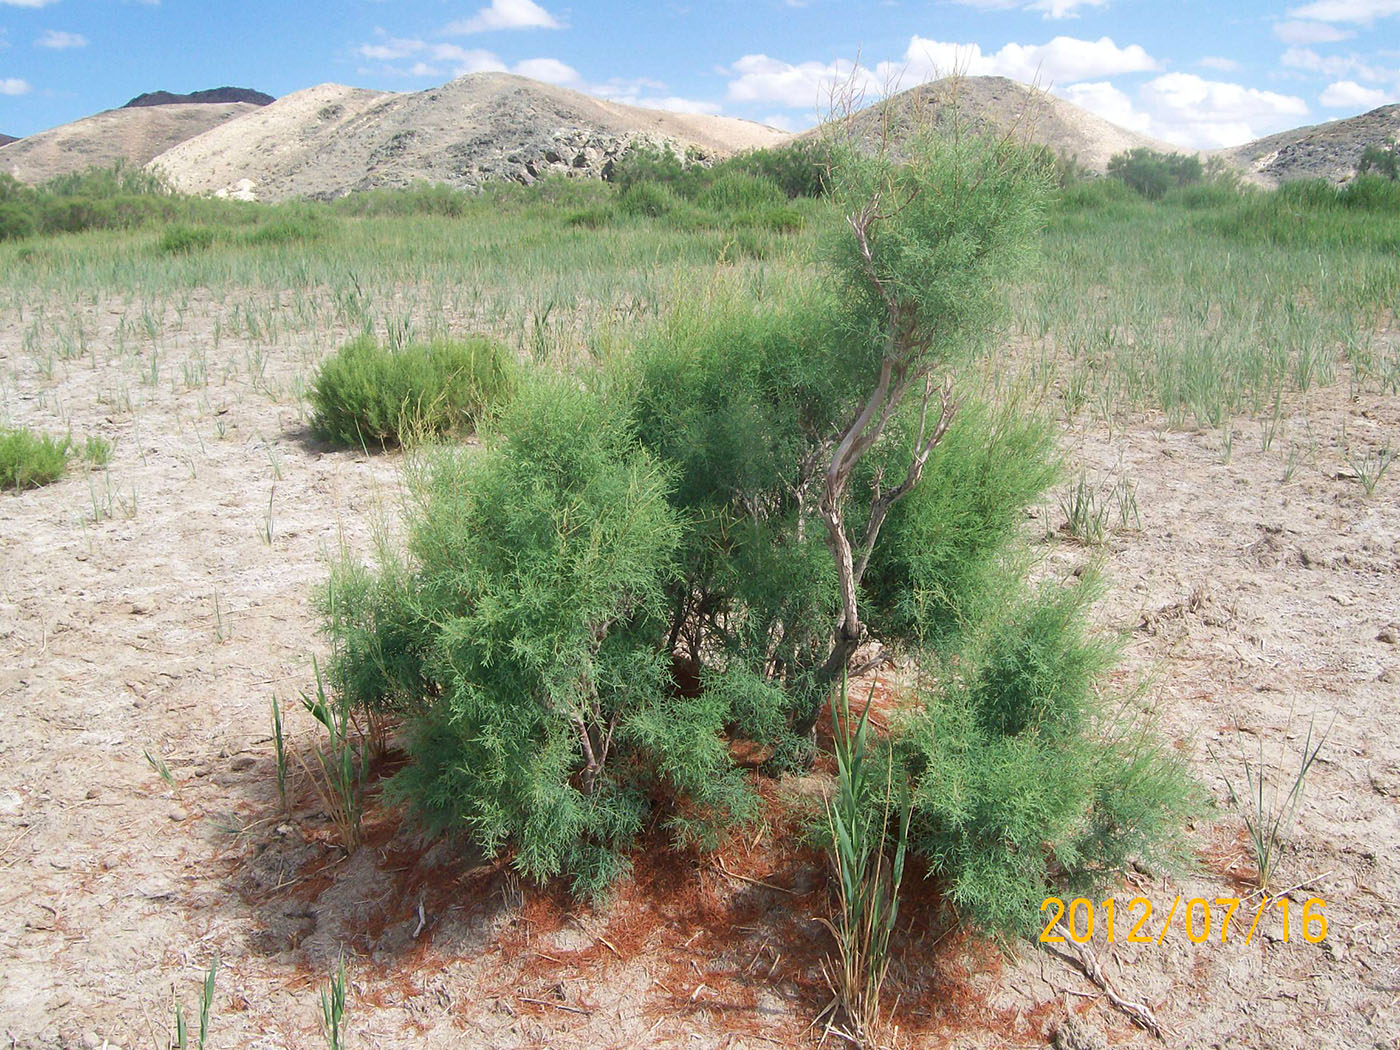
(368,394)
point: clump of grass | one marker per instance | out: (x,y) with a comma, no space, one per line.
(1086,512)
(294,228)
(341,762)
(867,879)
(28,460)
(368,394)
(1268,805)
(1371,466)
(186,240)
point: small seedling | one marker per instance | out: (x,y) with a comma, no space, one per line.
(1371,467)
(279,751)
(206,1004)
(333,1008)
(267,518)
(162,770)
(223,626)
(1269,812)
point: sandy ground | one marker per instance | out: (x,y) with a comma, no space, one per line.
(146,609)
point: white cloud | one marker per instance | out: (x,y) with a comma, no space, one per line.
(1202,113)
(1363,11)
(1105,100)
(460,60)
(1063,8)
(27,3)
(549,70)
(58,40)
(505,14)
(1309,33)
(761,78)
(1348,94)
(1064,59)
(1306,58)
(783,122)
(1224,65)
(449,60)
(14,86)
(1189,111)
(1055,9)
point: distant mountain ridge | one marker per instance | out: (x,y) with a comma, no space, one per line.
(5,140)
(993,106)
(1320,151)
(212,95)
(330,140)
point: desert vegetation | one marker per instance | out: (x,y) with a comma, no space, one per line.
(715,505)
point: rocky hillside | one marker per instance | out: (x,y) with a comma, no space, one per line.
(1322,151)
(330,140)
(997,105)
(212,95)
(130,135)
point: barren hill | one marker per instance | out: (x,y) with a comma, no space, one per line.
(997,105)
(220,94)
(1326,151)
(130,135)
(330,140)
(5,140)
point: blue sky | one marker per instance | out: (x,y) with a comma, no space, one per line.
(1192,72)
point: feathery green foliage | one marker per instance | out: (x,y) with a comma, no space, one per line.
(369,394)
(544,718)
(28,460)
(1152,174)
(641,568)
(1022,779)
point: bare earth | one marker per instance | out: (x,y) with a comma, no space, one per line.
(328,140)
(170,621)
(133,136)
(999,106)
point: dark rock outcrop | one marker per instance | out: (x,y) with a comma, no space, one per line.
(212,95)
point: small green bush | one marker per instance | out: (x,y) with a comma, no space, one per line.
(367,394)
(186,240)
(1021,780)
(1382,160)
(16,221)
(739,192)
(297,227)
(421,198)
(651,200)
(942,564)
(28,460)
(1372,193)
(545,722)
(590,218)
(1152,174)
